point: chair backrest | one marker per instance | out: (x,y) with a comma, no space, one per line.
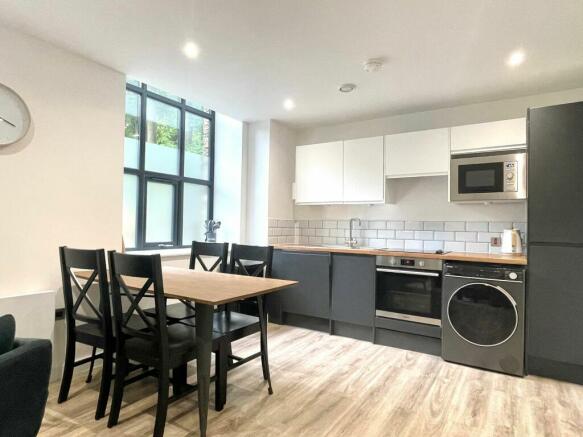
(77,296)
(259,260)
(144,273)
(220,251)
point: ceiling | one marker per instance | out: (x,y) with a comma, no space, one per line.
(256,53)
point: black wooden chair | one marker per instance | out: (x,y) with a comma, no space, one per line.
(234,325)
(96,328)
(219,252)
(159,345)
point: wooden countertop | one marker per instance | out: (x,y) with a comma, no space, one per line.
(492,258)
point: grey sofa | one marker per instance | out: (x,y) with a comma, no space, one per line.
(25,368)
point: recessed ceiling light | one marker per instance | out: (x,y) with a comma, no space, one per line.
(289,104)
(191,50)
(347,87)
(373,65)
(516,58)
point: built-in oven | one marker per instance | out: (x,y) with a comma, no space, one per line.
(488,177)
(409,289)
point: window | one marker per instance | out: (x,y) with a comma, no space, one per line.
(168,169)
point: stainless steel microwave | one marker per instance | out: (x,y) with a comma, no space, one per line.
(488,177)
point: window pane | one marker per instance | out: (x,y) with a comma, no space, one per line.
(159,212)
(197,135)
(130,209)
(131,149)
(133,82)
(163,93)
(195,212)
(162,137)
(198,106)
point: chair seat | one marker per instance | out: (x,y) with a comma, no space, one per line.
(234,325)
(91,333)
(181,346)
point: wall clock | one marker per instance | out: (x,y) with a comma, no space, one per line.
(14,117)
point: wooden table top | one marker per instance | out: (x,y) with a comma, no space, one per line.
(206,287)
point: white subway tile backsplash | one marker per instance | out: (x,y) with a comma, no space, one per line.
(405,235)
(466,236)
(477,226)
(315,240)
(396,244)
(433,245)
(414,226)
(377,243)
(433,226)
(477,247)
(444,235)
(458,236)
(424,235)
(413,245)
(396,225)
(337,232)
(499,226)
(386,233)
(485,237)
(369,233)
(377,224)
(330,224)
(315,223)
(454,246)
(455,226)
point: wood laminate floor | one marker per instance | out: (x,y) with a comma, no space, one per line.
(335,386)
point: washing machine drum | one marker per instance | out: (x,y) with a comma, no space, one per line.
(482,314)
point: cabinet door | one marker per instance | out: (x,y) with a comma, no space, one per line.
(364,179)
(423,153)
(353,289)
(555,161)
(311,297)
(554,303)
(319,173)
(489,136)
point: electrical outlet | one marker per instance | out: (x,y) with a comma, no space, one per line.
(496,241)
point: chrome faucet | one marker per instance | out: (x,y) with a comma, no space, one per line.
(352,242)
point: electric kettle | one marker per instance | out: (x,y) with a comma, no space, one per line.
(511,242)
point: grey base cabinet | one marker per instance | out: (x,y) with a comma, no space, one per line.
(353,289)
(311,297)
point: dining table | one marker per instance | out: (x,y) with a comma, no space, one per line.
(206,290)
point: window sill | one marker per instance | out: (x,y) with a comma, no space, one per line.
(164,253)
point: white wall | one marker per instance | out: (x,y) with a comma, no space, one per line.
(426,198)
(257,182)
(228,190)
(282,152)
(62,185)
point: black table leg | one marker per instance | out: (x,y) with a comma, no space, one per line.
(204,333)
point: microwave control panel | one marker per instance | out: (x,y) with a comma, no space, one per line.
(510,176)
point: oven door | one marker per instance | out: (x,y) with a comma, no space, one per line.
(412,295)
(488,177)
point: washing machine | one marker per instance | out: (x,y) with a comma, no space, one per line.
(483,307)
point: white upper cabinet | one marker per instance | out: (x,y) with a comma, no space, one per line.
(364,180)
(319,173)
(496,135)
(412,154)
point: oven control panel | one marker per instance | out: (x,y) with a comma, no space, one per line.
(511,176)
(409,263)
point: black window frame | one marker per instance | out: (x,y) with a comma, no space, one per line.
(177,180)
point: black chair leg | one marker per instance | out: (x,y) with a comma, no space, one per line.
(106,375)
(221,367)
(263,336)
(121,364)
(162,408)
(179,378)
(92,362)
(67,369)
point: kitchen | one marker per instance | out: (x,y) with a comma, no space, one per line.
(405,203)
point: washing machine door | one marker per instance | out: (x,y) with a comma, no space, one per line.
(482,314)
